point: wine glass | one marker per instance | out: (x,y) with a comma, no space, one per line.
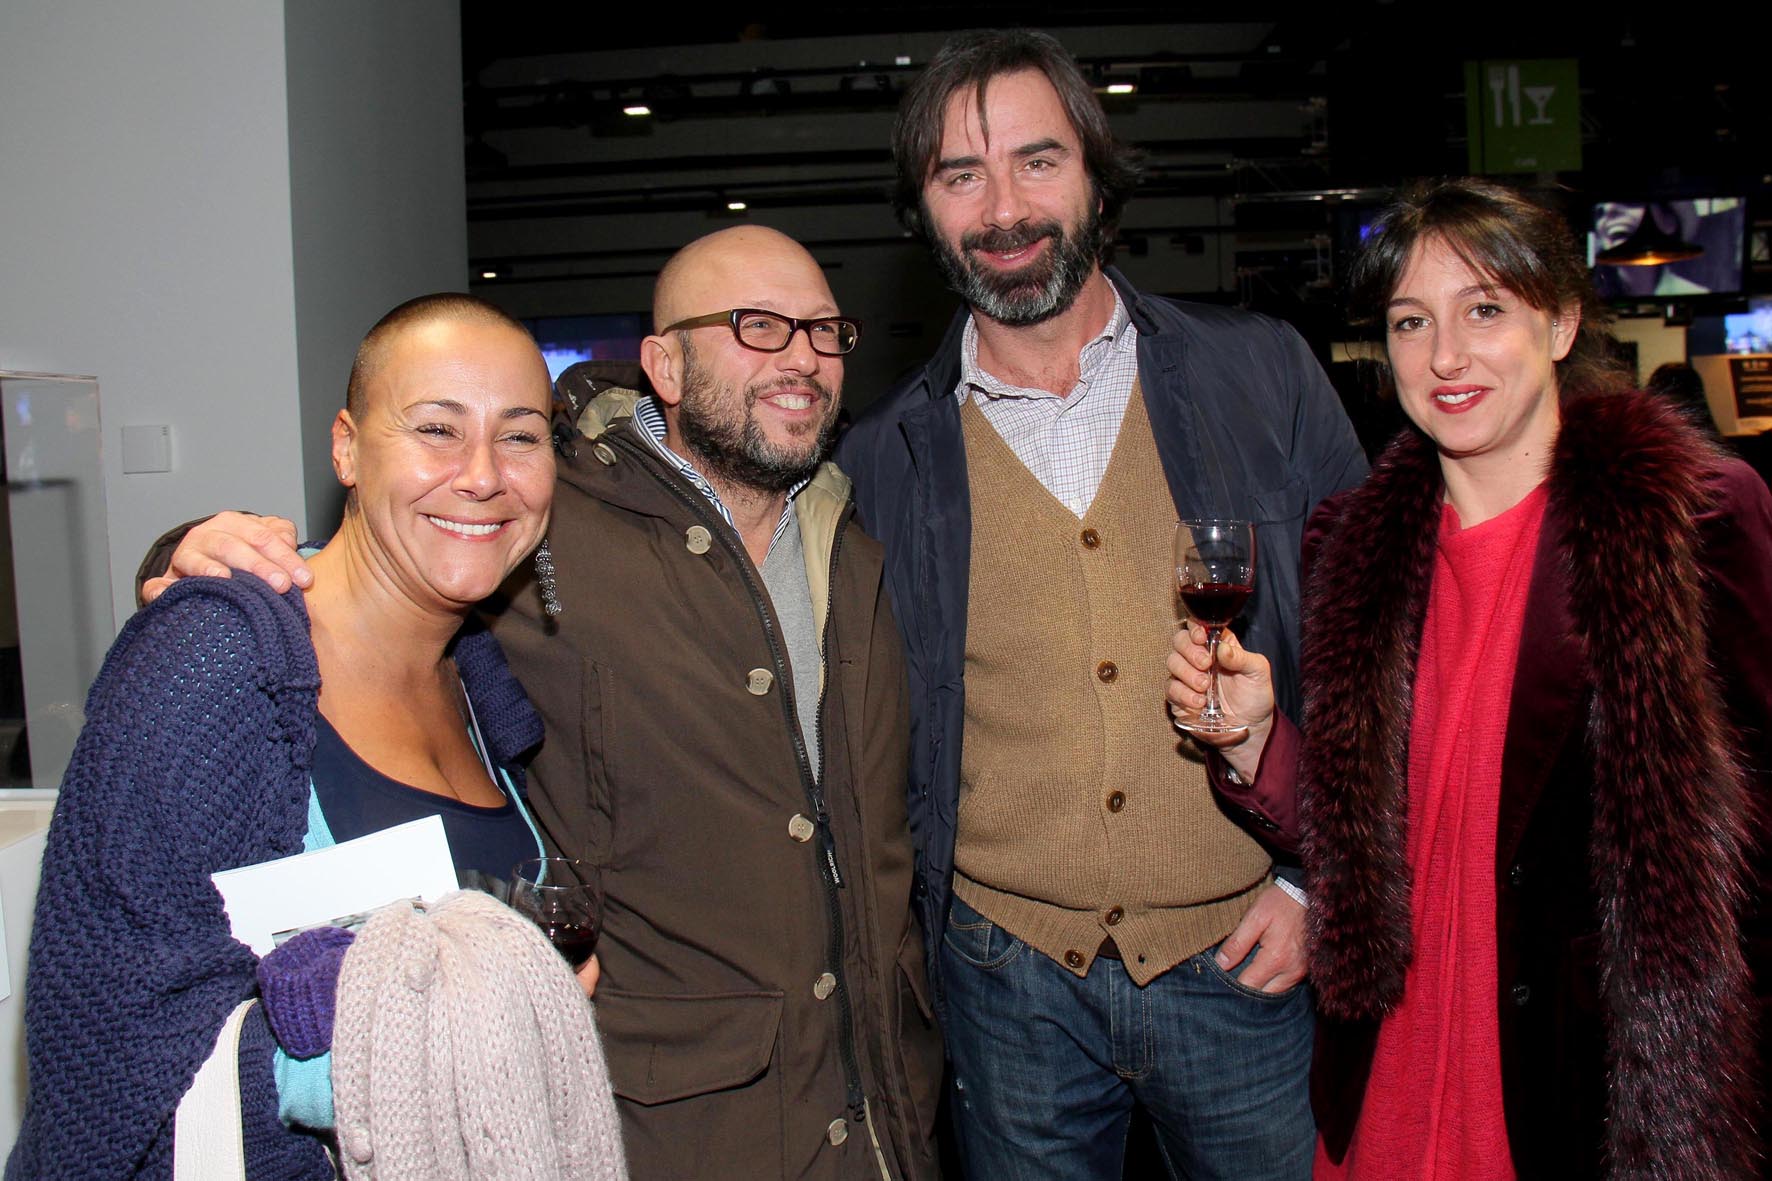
(1214,574)
(561,896)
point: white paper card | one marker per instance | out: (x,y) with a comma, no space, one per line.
(410,860)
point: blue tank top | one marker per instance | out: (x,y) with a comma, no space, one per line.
(356,799)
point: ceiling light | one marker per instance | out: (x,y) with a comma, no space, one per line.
(637,109)
(1121,88)
(489,274)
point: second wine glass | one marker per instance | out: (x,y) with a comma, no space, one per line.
(1214,576)
(560,895)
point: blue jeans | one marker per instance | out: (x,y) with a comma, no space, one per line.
(1047,1067)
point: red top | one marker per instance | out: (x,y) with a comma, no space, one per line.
(1433,1106)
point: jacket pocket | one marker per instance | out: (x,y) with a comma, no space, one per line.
(919,1047)
(666,1047)
(600,760)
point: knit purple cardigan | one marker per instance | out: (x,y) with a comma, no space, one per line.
(194,758)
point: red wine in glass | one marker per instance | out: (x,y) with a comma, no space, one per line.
(575,941)
(1214,577)
(1215,604)
(561,896)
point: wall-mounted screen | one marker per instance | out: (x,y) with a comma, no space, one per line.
(567,340)
(1718,225)
(1750,331)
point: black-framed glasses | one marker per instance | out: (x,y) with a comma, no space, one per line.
(771,332)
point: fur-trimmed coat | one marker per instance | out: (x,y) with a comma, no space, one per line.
(1637,753)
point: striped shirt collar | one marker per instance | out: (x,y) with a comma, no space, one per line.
(975,380)
(649,417)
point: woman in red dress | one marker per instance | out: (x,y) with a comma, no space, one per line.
(1538,730)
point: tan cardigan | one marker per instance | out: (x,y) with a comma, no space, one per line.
(1083,815)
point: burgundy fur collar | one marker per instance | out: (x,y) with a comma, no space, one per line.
(1670,803)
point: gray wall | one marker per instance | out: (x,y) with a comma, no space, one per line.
(144,239)
(378,201)
(204,203)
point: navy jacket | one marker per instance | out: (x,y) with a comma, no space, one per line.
(1247,426)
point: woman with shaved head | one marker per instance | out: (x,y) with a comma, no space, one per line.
(233,725)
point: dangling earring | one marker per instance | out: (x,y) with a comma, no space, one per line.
(544,576)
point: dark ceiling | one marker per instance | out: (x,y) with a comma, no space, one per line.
(1666,98)
(1245,112)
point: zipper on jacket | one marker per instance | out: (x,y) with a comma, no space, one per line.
(813,784)
(845,1010)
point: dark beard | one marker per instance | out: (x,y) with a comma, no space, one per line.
(1037,292)
(736,452)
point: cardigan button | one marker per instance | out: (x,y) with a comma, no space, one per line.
(420,972)
(1516,876)
(758,680)
(357,1144)
(1521,995)
(1106,671)
(1091,539)
(1074,959)
(1116,800)
(800,828)
(697,539)
(1114,915)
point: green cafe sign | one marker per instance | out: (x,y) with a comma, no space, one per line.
(1523,116)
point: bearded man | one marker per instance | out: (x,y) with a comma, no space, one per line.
(720,678)
(1102,934)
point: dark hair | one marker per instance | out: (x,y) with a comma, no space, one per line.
(1512,241)
(441,305)
(1677,380)
(1681,387)
(969,62)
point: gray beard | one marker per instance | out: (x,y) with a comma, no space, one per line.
(1036,293)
